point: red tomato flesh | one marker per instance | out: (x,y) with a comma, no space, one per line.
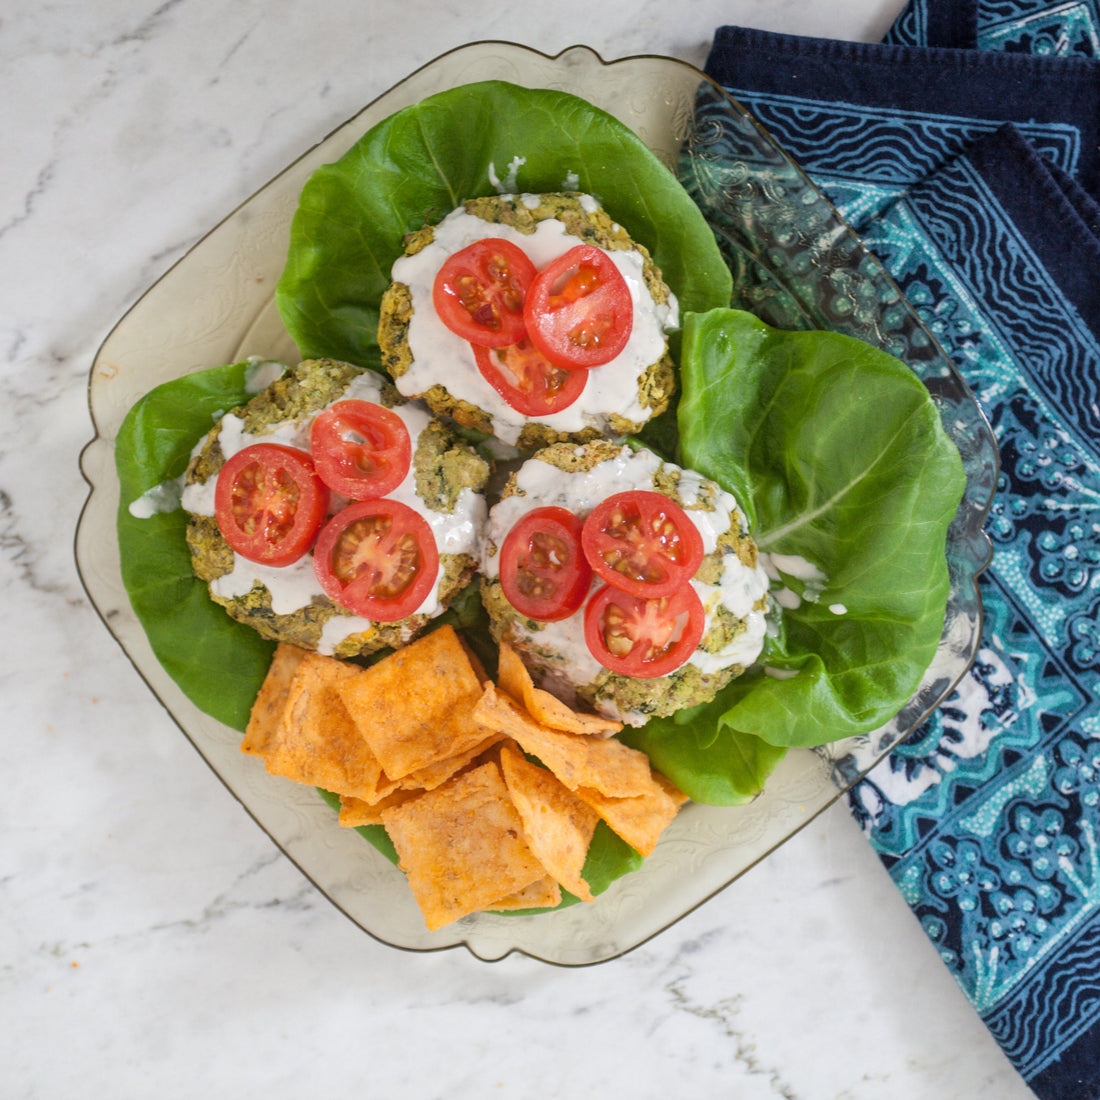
(377,558)
(479,292)
(360,449)
(269,503)
(643,543)
(527,380)
(579,312)
(543,571)
(643,638)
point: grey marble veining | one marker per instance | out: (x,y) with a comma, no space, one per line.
(154,942)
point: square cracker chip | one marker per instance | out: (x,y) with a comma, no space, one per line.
(431,775)
(606,765)
(355,812)
(311,738)
(267,711)
(462,846)
(544,894)
(557,825)
(414,707)
(641,819)
(514,679)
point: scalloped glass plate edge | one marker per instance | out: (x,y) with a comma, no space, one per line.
(215,304)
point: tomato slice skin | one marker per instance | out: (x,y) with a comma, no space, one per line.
(269,503)
(480,290)
(360,449)
(642,542)
(527,380)
(543,571)
(579,312)
(377,558)
(643,638)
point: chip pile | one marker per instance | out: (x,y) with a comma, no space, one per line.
(489,792)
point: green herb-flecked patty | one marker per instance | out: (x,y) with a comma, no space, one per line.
(592,225)
(443,466)
(608,692)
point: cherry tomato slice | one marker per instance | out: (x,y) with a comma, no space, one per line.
(377,558)
(269,503)
(643,638)
(479,292)
(543,571)
(527,380)
(643,543)
(579,312)
(360,449)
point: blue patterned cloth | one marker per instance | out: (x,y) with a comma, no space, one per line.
(965,150)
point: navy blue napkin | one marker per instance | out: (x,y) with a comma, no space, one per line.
(965,151)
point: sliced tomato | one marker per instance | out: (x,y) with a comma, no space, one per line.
(269,503)
(479,292)
(642,542)
(527,380)
(377,558)
(579,312)
(360,449)
(643,638)
(543,571)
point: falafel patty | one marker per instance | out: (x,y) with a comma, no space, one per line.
(731,583)
(444,485)
(428,361)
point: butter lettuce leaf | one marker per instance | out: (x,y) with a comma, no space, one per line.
(417,165)
(217,662)
(709,760)
(836,453)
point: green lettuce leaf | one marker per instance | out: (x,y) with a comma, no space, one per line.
(709,760)
(836,453)
(422,162)
(217,662)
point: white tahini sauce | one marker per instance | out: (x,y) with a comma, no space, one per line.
(440,356)
(811,580)
(165,497)
(260,373)
(295,586)
(740,587)
(508,184)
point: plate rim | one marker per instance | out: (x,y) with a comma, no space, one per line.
(100,440)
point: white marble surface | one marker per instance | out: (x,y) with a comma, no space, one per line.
(153,940)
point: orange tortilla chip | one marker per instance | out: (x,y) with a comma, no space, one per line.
(514,679)
(606,765)
(557,825)
(316,741)
(271,702)
(462,845)
(430,777)
(355,811)
(512,675)
(414,706)
(639,820)
(544,894)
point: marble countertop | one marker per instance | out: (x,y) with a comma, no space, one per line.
(155,942)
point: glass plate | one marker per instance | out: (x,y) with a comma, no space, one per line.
(796,264)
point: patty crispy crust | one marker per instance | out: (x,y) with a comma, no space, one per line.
(610,692)
(592,225)
(443,466)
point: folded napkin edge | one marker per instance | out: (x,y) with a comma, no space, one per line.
(1060,188)
(889,53)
